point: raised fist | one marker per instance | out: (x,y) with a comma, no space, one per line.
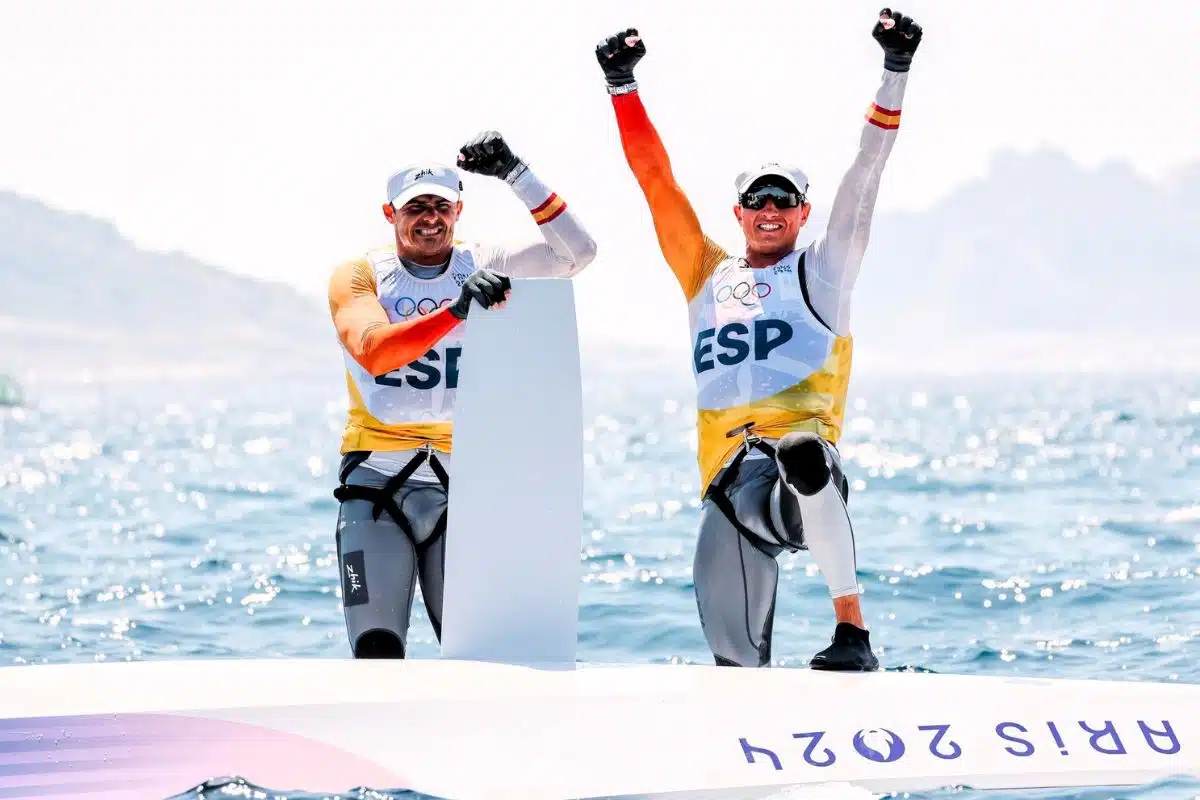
(899,36)
(619,54)
(488,154)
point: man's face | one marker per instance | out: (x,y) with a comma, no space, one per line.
(771,214)
(425,227)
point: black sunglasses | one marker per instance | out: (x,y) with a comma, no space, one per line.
(757,198)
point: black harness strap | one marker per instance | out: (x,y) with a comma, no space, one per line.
(439,528)
(718,491)
(384,499)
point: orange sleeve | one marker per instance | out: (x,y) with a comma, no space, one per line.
(379,345)
(690,254)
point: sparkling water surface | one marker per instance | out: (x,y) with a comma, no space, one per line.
(1042,525)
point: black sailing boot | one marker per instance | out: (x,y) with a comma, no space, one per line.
(850,651)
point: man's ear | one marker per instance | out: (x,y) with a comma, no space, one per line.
(389,212)
(805,210)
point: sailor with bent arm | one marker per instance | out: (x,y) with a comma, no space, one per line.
(398,312)
(771,360)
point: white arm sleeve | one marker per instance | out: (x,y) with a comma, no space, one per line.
(566,247)
(832,264)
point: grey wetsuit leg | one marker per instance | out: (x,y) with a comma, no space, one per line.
(380,565)
(423,505)
(736,578)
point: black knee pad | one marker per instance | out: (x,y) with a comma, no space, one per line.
(802,457)
(379,644)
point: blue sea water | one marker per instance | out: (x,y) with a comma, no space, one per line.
(1037,525)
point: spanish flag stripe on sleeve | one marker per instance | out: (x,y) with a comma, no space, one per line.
(548,210)
(886,118)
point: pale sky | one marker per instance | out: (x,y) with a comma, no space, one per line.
(259,136)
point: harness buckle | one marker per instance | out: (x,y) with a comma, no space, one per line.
(750,439)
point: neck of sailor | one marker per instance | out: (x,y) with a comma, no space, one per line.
(770,232)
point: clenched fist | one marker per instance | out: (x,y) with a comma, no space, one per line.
(899,37)
(619,54)
(488,154)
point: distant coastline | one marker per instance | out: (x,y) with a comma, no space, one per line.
(1040,265)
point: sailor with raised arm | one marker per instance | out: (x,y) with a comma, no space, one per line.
(398,312)
(771,359)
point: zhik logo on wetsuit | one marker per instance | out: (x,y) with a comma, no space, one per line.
(734,348)
(354,579)
(427,372)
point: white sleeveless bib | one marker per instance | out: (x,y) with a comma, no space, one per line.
(424,390)
(753,334)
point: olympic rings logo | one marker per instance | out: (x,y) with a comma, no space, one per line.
(742,293)
(407,306)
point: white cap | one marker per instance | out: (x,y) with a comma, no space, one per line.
(420,179)
(793,175)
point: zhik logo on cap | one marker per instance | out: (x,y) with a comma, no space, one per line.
(414,181)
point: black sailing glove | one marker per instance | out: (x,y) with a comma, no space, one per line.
(899,36)
(618,55)
(486,287)
(488,154)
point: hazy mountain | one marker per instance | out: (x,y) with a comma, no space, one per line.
(1040,245)
(75,295)
(1037,253)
